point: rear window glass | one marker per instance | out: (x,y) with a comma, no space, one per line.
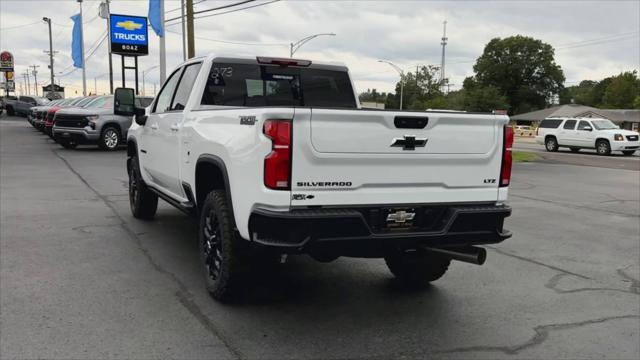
(570,124)
(261,85)
(550,123)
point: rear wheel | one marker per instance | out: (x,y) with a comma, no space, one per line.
(110,138)
(551,144)
(224,256)
(603,147)
(416,267)
(143,201)
(628,152)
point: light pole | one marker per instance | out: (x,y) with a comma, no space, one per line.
(293,47)
(95,83)
(144,73)
(401,72)
(48,21)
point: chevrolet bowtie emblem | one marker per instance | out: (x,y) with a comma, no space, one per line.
(409,142)
(128,25)
(400,217)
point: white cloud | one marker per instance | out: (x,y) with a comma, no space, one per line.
(405,32)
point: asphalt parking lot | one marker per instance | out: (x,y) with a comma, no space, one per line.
(81,278)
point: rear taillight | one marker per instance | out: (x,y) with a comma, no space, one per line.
(277,165)
(507,144)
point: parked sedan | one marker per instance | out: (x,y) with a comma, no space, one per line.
(94,124)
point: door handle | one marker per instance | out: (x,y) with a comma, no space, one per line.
(154,126)
(175,127)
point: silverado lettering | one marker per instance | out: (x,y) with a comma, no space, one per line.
(324,183)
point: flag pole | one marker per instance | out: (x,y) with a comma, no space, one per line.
(84,73)
(163,52)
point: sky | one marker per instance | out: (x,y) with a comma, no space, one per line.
(593,39)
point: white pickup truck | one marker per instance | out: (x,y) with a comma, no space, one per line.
(275,157)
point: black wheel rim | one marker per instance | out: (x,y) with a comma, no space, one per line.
(211,246)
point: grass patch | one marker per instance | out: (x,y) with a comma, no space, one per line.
(523,156)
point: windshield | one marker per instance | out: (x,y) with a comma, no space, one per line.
(604,124)
(41,101)
(102,102)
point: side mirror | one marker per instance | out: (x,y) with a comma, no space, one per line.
(124,102)
(587,128)
(141,116)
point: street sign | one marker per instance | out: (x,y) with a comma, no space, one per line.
(6,61)
(129,35)
(10,85)
(9,75)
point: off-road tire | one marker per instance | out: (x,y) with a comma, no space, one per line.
(551,144)
(109,138)
(628,152)
(416,268)
(143,201)
(603,147)
(224,257)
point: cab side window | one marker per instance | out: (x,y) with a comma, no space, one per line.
(163,103)
(184,88)
(582,125)
(569,125)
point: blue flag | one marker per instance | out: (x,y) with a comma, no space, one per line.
(155,17)
(76,41)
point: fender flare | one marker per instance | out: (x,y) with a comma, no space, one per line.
(219,163)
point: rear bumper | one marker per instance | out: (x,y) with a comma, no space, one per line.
(364,232)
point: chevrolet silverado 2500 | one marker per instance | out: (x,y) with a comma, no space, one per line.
(274,156)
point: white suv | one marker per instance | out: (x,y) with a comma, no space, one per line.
(586,133)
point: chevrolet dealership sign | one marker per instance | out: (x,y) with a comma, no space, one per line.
(129,35)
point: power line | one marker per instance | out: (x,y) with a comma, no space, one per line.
(244,8)
(212,9)
(19,26)
(601,38)
(232,42)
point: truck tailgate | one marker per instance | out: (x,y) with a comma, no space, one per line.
(383,157)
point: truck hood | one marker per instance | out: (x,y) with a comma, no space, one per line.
(618,131)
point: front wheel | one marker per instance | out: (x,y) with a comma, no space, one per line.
(603,147)
(628,152)
(224,256)
(110,138)
(143,201)
(416,267)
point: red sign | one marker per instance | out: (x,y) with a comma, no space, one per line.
(6,61)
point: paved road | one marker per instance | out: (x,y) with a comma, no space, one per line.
(80,278)
(585,157)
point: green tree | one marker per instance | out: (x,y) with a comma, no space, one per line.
(372,95)
(636,102)
(521,68)
(482,98)
(419,88)
(622,91)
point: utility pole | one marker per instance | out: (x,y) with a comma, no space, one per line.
(48,21)
(184,35)
(35,77)
(190,35)
(24,82)
(401,72)
(26,74)
(444,44)
(84,70)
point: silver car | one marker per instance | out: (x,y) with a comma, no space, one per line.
(95,123)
